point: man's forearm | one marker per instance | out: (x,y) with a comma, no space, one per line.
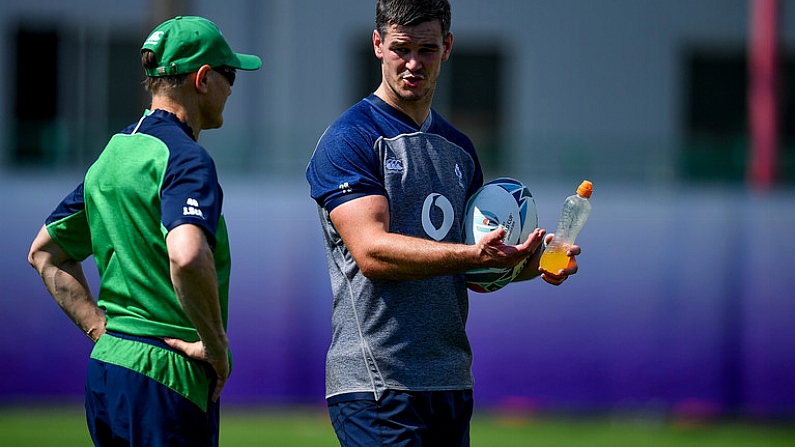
(196,287)
(69,287)
(66,282)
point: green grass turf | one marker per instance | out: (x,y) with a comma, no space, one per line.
(64,426)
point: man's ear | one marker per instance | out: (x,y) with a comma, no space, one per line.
(448,46)
(377,44)
(202,78)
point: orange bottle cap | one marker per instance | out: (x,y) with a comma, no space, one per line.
(585,189)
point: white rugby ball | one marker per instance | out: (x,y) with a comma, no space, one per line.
(504,202)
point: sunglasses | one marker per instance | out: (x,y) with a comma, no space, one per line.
(228,72)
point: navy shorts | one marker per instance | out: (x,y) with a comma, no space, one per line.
(124,407)
(403,419)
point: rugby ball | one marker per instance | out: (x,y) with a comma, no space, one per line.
(504,202)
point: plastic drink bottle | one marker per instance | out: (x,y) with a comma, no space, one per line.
(575,212)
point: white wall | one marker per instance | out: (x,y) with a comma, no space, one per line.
(601,76)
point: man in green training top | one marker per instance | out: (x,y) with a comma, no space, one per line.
(149,211)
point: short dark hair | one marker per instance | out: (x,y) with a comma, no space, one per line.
(155,83)
(411,13)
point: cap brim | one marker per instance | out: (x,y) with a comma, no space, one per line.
(245,62)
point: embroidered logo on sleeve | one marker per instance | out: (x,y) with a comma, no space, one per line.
(394,164)
(192,208)
(460,176)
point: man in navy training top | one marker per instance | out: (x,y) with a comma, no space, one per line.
(391,178)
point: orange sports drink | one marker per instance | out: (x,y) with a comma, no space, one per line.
(553,262)
(575,212)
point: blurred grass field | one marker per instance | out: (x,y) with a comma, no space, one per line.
(64,426)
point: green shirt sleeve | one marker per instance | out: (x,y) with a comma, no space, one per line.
(72,234)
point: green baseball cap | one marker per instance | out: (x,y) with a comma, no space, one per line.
(185,43)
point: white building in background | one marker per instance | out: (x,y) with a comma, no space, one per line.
(612,88)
